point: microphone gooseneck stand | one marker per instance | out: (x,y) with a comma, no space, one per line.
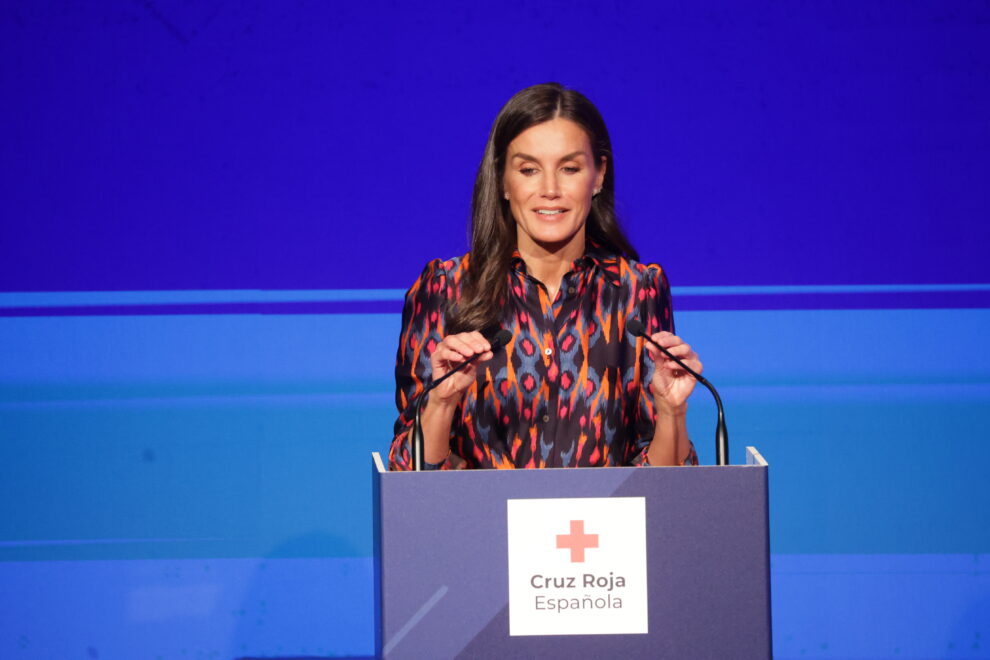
(501,338)
(636,327)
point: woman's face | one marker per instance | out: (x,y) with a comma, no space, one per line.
(550,177)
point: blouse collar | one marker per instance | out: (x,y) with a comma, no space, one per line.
(594,255)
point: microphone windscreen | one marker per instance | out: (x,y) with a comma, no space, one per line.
(501,338)
(636,327)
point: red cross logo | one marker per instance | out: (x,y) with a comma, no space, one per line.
(577,541)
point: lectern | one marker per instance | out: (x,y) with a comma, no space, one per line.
(639,562)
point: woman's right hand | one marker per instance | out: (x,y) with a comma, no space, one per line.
(451,352)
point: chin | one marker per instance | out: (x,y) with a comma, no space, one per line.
(553,243)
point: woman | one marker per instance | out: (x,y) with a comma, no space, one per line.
(549,263)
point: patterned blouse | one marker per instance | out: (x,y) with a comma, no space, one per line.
(572,386)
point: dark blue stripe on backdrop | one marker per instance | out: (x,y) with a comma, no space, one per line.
(865,300)
(972,299)
(320,307)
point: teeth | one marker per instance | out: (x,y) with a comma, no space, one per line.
(542,212)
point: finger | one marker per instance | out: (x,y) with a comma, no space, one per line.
(460,345)
(666,339)
(694,365)
(450,351)
(447,358)
(482,357)
(475,341)
(657,355)
(653,352)
(478,341)
(681,351)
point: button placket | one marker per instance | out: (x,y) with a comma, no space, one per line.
(552,358)
(554,316)
(550,419)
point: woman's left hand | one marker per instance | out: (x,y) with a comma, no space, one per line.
(672,385)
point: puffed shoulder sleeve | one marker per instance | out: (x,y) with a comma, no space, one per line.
(422,329)
(655,310)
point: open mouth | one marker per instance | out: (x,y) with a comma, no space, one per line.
(550,212)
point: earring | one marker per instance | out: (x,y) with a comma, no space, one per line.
(597,190)
(507,195)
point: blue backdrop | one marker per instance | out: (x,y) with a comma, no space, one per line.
(210,212)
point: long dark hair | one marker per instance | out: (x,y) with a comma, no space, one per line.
(493,230)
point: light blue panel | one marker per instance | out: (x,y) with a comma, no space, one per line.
(163,439)
(871,421)
(204,608)
(191,436)
(844,347)
(240,476)
(825,606)
(225,435)
(911,607)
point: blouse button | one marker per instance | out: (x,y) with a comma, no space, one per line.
(548,351)
(571,290)
(546,418)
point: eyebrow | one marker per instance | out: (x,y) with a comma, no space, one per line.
(569,156)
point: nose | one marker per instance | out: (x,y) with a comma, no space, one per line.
(550,188)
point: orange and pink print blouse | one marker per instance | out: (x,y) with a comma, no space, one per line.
(571,389)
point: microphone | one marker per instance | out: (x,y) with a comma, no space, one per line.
(636,327)
(501,338)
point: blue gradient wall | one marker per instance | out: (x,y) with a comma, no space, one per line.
(210,212)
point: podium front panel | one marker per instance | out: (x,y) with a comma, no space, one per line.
(442,562)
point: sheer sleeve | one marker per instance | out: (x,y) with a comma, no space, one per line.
(656,312)
(422,329)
